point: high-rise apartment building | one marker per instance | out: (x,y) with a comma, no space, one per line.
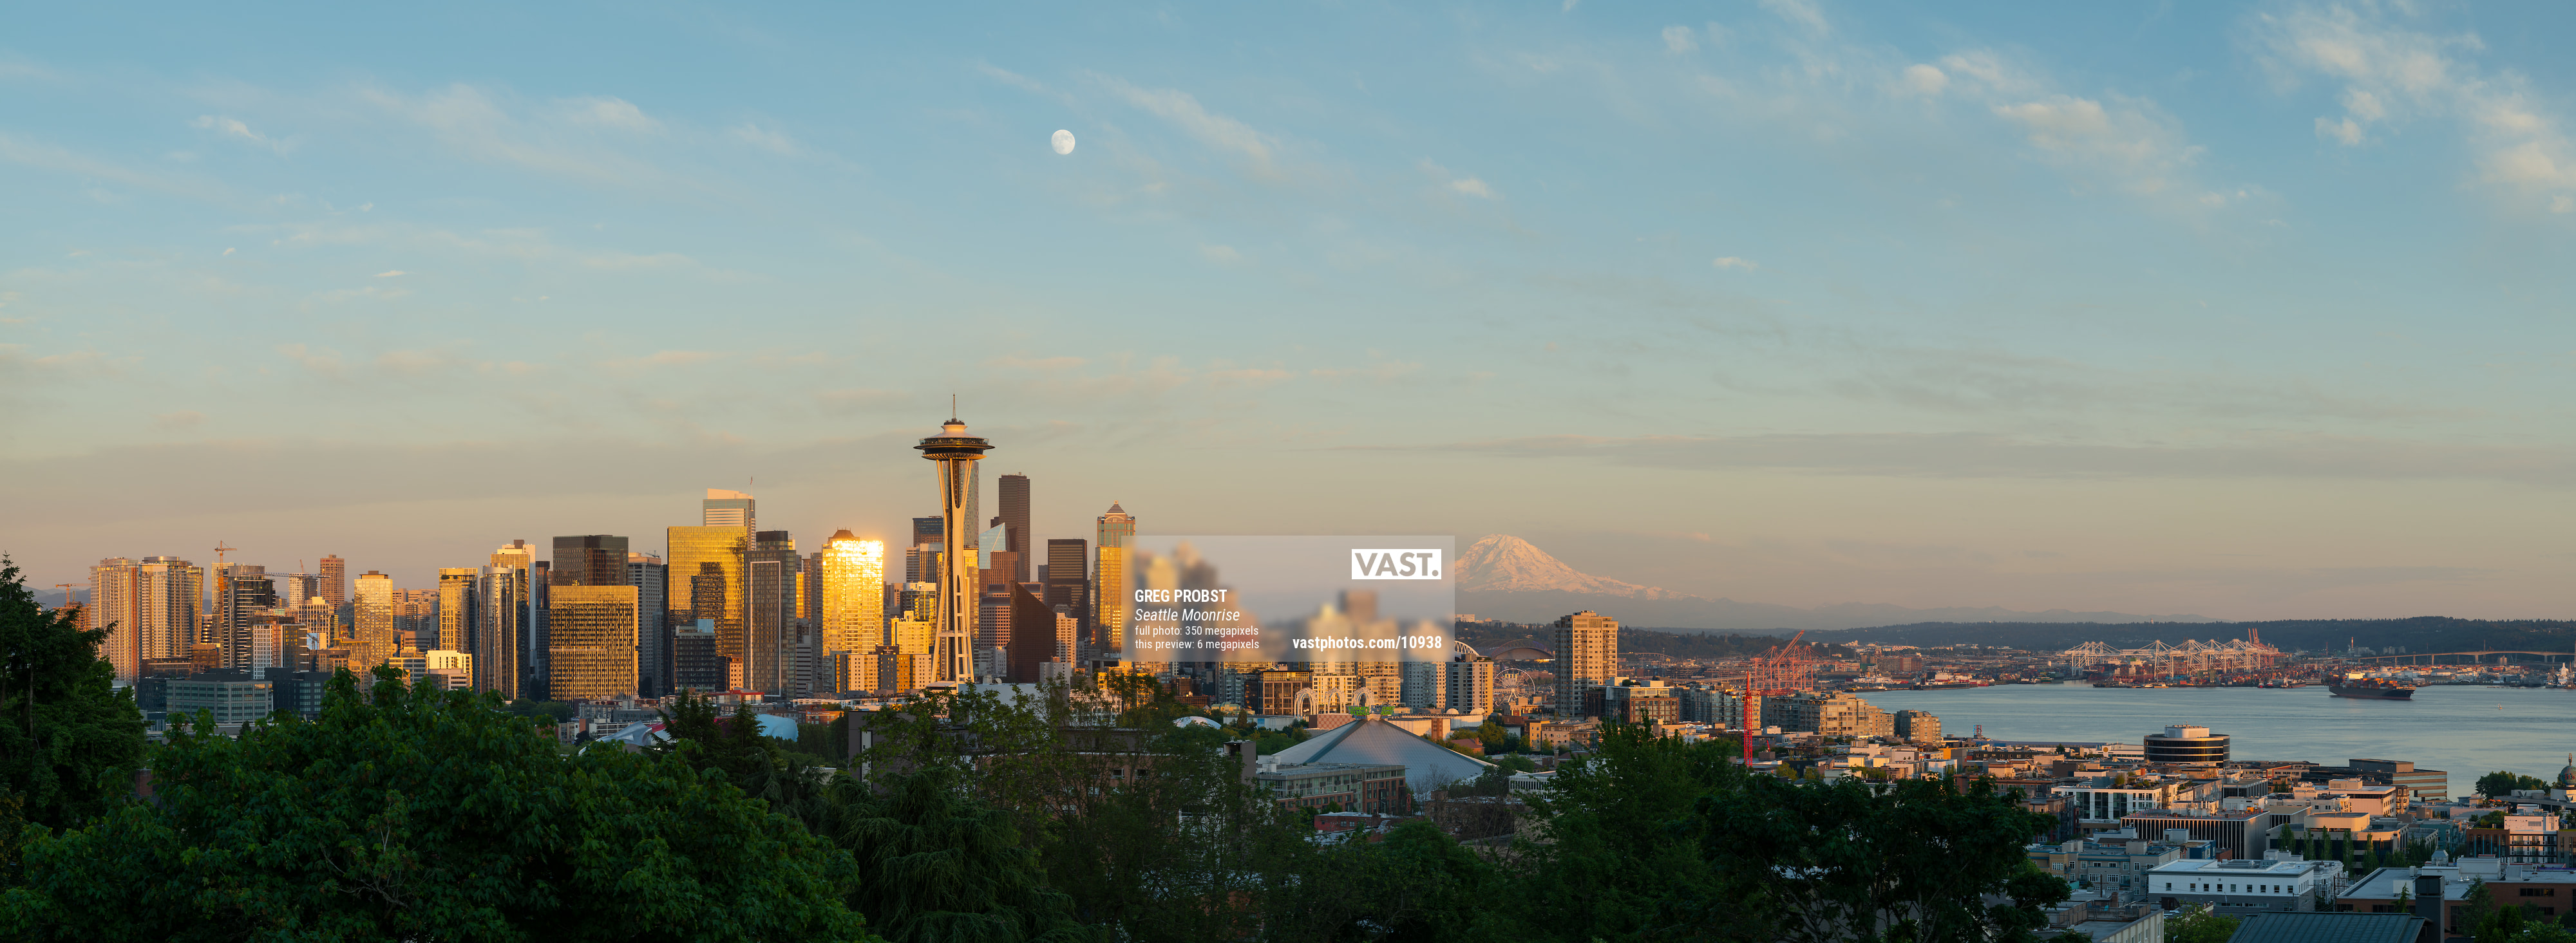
(498,626)
(588,560)
(335,580)
(708,559)
(694,663)
(115,591)
(1013,492)
(1587,657)
(373,603)
(246,595)
(416,613)
(728,509)
(1109,577)
(456,608)
(957,456)
(1471,685)
(851,598)
(591,655)
(645,572)
(294,588)
(168,604)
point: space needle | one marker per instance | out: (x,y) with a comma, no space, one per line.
(956,452)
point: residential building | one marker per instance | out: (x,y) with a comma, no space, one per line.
(1587,658)
(591,652)
(169,594)
(373,605)
(1828,714)
(1109,578)
(456,607)
(115,604)
(497,629)
(1918,727)
(2116,865)
(1469,680)
(1635,702)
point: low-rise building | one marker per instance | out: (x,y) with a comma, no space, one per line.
(2237,834)
(2277,882)
(1349,787)
(230,695)
(2116,868)
(2551,891)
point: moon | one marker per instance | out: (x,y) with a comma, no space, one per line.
(1063,141)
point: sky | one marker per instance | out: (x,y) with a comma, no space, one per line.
(2243,311)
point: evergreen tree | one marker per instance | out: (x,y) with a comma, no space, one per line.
(70,740)
(423,814)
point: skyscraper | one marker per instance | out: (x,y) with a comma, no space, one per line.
(247,593)
(770,570)
(1587,657)
(167,604)
(1067,583)
(645,572)
(456,608)
(956,454)
(499,618)
(591,655)
(917,556)
(727,509)
(1013,490)
(851,599)
(588,560)
(115,604)
(374,605)
(528,600)
(1109,577)
(335,580)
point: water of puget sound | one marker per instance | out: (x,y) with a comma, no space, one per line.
(2463,730)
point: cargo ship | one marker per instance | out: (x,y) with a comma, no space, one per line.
(2380,689)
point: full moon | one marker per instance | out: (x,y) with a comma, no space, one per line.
(1063,142)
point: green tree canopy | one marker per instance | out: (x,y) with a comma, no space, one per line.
(70,740)
(421,814)
(2502,783)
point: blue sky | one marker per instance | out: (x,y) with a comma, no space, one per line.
(2247,311)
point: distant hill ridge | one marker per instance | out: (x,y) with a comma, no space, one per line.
(1507,578)
(2418,634)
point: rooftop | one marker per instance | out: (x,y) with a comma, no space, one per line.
(2243,867)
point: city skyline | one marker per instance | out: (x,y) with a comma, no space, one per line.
(2247,312)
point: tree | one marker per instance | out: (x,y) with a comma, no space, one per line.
(1853,861)
(2502,783)
(935,864)
(417,814)
(69,739)
(2200,924)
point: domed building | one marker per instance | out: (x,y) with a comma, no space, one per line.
(2567,773)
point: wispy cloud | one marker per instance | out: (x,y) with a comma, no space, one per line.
(234,128)
(396,273)
(476,124)
(1210,128)
(1802,13)
(2391,73)
(1980,455)
(763,138)
(611,112)
(1680,39)
(1462,186)
(1731,262)
(50,157)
